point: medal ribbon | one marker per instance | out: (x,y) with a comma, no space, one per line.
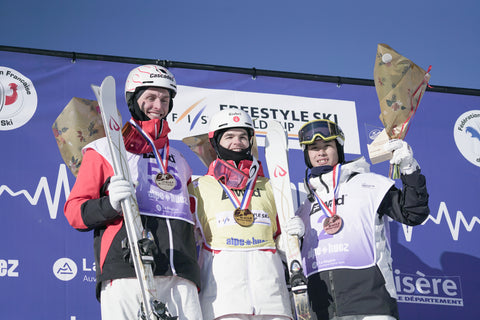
(163,162)
(325,209)
(247,196)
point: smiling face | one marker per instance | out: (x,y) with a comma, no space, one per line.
(235,139)
(154,102)
(323,153)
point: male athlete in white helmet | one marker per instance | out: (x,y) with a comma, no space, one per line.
(345,248)
(162,175)
(241,270)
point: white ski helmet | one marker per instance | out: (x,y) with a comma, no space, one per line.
(150,76)
(231,118)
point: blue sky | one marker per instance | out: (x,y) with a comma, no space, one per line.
(333,38)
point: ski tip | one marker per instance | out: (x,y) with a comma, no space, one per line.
(275,127)
(96,90)
(109,81)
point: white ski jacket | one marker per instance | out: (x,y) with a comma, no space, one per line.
(350,272)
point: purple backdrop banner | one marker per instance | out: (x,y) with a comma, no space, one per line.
(47,268)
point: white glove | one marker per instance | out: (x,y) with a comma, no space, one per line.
(119,189)
(402,156)
(295,227)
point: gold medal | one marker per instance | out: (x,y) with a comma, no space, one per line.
(243,217)
(333,224)
(165,181)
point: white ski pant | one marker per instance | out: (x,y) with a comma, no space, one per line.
(121,298)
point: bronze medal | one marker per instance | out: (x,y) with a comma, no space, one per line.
(243,217)
(333,224)
(165,181)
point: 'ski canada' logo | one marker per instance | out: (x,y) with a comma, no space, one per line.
(18,99)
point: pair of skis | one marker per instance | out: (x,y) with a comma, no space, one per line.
(151,308)
(276,155)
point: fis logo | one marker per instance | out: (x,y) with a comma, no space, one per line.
(190,117)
